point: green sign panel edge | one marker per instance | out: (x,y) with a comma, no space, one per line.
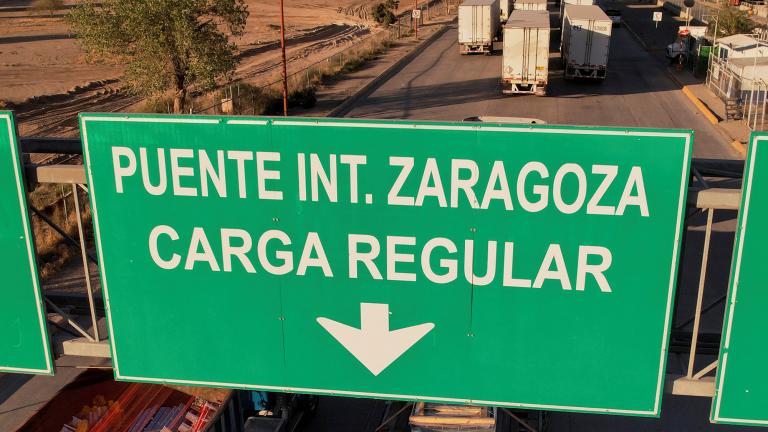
(733,288)
(7,118)
(85,118)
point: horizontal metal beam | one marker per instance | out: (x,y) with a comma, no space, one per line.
(56,174)
(707,167)
(82,347)
(703,387)
(714,198)
(719,167)
(51,145)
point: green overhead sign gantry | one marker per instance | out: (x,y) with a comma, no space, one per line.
(484,264)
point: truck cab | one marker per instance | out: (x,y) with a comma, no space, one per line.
(278,412)
(677,51)
(688,40)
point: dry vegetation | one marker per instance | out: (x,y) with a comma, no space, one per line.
(249,99)
(47,78)
(39,56)
(56,203)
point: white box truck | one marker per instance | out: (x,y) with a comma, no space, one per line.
(525,62)
(531,5)
(478,26)
(586,42)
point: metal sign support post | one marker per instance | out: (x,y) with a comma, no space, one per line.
(416,22)
(285,67)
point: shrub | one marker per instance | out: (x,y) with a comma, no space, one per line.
(249,99)
(383,13)
(305,98)
(731,21)
(157,105)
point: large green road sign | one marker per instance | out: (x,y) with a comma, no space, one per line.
(451,262)
(24,344)
(741,395)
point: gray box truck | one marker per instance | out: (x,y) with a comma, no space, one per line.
(586,42)
(478,26)
(525,62)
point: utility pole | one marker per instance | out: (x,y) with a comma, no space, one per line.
(416,20)
(285,67)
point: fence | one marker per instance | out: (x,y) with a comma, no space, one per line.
(336,63)
(247,101)
(745,98)
(308,77)
(754,106)
(701,12)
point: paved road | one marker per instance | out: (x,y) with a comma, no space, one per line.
(440,84)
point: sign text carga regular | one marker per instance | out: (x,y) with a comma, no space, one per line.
(530,187)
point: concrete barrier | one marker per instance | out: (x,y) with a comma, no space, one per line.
(700,105)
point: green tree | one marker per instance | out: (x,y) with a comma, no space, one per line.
(169,46)
(730,21)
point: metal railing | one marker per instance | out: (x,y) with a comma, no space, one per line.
(755,106)
(745,98)
(74,176)
(700,13)
(706,199)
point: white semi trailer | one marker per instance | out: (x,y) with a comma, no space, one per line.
(525,62)
(478,26)
(531,5)
(573,2)
(586,42)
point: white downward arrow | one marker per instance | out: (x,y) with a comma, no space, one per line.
(373,344)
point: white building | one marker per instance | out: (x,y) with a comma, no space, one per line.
(739,46)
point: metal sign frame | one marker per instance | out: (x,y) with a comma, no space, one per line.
(7,118)
(686,137)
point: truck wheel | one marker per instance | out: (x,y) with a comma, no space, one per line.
(540,91)
(679,62)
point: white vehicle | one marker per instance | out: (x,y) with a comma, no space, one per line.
(525,63)
(689,39)
(573,2)
(478,26)
(531,5)
(586,42)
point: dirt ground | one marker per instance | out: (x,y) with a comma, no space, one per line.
(44,73)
